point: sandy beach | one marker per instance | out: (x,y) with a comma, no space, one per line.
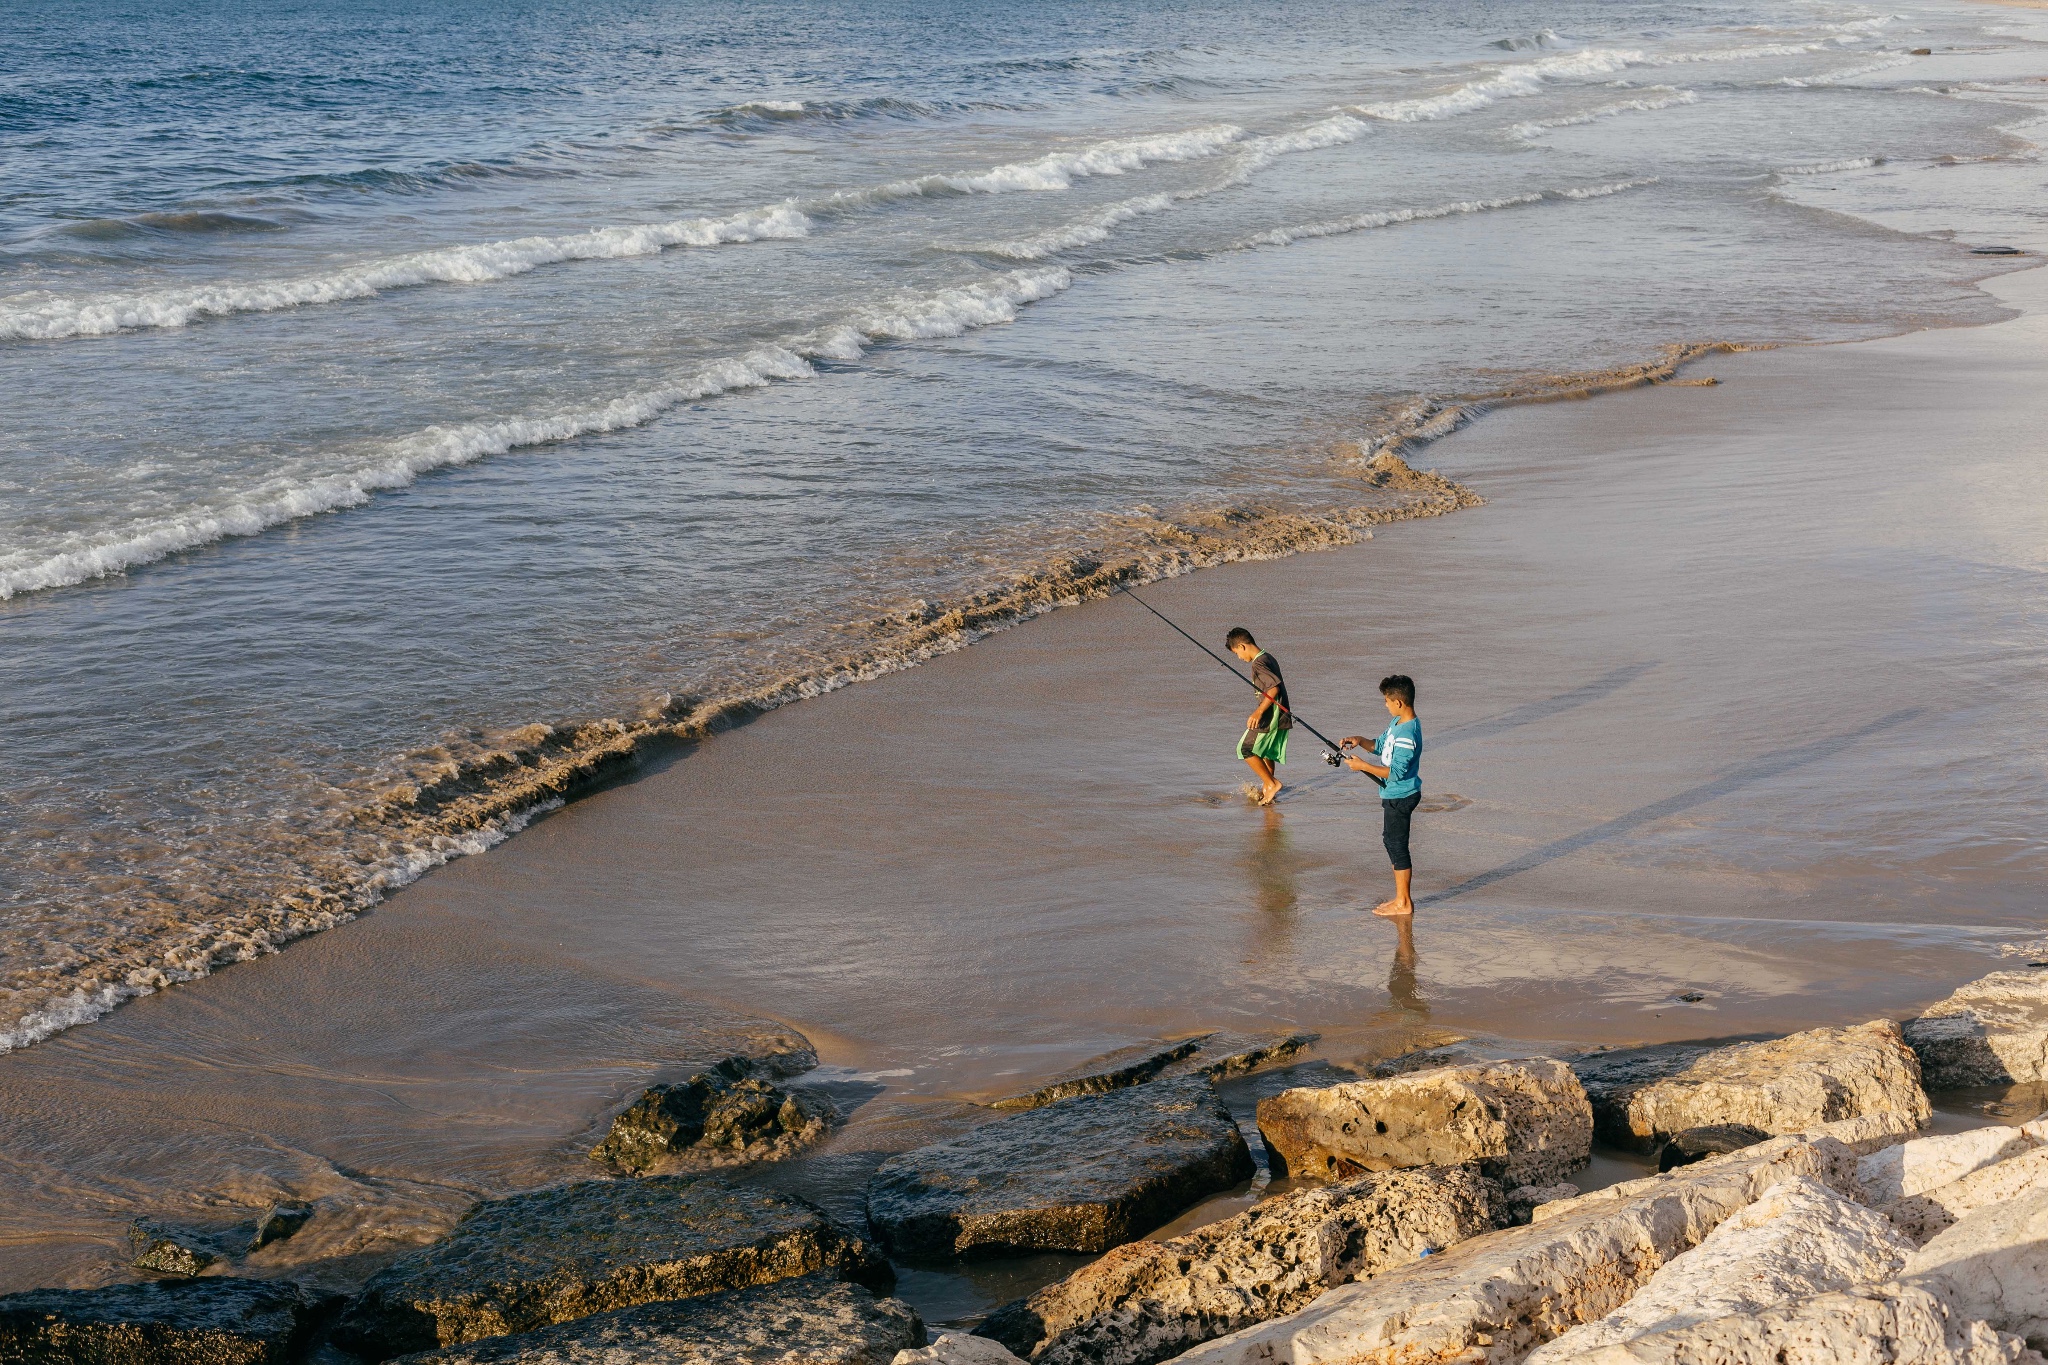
(1730,691)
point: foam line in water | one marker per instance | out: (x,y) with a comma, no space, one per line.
(907,317)
(1659,97)
(1858,163)
(1363,222)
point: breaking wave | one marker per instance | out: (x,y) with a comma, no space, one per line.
(1859,163)
(1659,97)
(1363,222)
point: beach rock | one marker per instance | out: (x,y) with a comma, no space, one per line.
(1993,1031)
(1495,1298)
(1923,1216)
(1610,1078)
(1926,1163)
(724,1116)
(1993,1265)
(1713,1139)
(952,1348)
(1238,1054)
(1524,1200)
(278,1222)
(1524,1122)
(1148,1301)
(1868,1133)
(1801,1239)
(1786,1085)
(1882,1325)
(811,1320)
(171,1250)
(1116,1071)
(214,1321)
(1081,1175)
(536,1259)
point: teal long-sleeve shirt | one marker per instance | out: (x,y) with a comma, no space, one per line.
(1400,753)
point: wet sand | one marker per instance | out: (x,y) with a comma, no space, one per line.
(1739,688)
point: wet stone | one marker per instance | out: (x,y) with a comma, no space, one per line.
(810,1320)
(1712,1139)
(548,1256)
(726,1115)
(168,1249)
(1081,1175)
(214,1321)
(278,1222)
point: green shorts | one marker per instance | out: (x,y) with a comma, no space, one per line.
(1270,745)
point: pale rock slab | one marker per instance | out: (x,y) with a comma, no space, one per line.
(1523,1122)
(1927,1163)
(1922,1216)
(954,1348)
(1800,1240)
(1868,1133)
(1884,1325)
(1786,1085)
(1993,1265)
(1493,1299)
(1147,1301)
(1993,1031)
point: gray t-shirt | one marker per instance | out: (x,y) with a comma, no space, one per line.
(1266,674)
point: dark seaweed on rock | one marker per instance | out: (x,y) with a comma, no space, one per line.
(216,1321)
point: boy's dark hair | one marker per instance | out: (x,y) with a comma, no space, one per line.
(1239,636)
(1399,686)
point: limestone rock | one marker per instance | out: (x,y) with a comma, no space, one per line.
(215,1321)
(1497,1297)
(1525,1123)
(1081,1175)
(535,1259)
(1713,1139)
(1926,1163)
(1117,1071)
(1611,1078)
(1993,1031)
(1883,1325)
(1867,1133)
(1524,1200)
(811,1320)
(954,1349)
(1922,1216)
(1801,1239)
(1148,1301)
(1786,1085)
(720,1117)
(1993,1265)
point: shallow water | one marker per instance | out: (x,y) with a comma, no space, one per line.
(391,394)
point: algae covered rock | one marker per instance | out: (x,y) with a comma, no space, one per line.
(1993,1031)
(810,1320)
(1148,1301)
(536,1259)
(214,1321)
(1080,1175)
(1523,1122)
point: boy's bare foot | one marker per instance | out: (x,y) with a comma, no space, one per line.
(1266,798)
(1394,909)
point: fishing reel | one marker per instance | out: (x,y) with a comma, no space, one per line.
(1335,760)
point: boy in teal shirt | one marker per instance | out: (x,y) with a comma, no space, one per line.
(1396,764)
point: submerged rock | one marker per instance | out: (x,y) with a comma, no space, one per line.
(1993,1031)
(536,1259)
(1801,1239)
(1993,1265)
(726,1115)
(215,1321)
(1524,1122)
(811,1320)
(1494,1298)
(1713,1139)
(172,1250)
(1786,1085)
(1149,1301)
(1081,1175)
(278,1222)
(1117,1071)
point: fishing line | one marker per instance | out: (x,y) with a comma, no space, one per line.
(1331,755)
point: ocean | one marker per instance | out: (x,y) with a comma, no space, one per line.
(411,410)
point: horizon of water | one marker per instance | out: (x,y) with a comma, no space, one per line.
(408,411)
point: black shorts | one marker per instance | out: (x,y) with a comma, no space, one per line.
(1394,831)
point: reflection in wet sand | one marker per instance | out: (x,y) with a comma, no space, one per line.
(1401,979)
(1272,866)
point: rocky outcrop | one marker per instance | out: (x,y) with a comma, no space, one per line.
(1993,1031)
(1993,1265)
(812,1320)
(1148,1301)
(1867,1134)
(1523,1122)
(1922,1216)
(536,1259)
(1611,1076)
(1786,1085)
(952,1348)
(1081,1175)
(1497,1297)
(1714,1139)
(1211,1055)
(215,1321)
(1923,1164)
(1801,1239)
(1885,1325)
(1524,1200)
(726,1115)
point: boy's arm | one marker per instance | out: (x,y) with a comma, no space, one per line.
(1266,700)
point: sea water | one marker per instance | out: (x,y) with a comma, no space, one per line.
(409,409)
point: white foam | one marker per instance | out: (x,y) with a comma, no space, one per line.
(1083,231)
(1890,62)
(1512,82)
(27,317)
(1662,97)
(943,313)
(1053,171)
(1391,217)
(1859,163)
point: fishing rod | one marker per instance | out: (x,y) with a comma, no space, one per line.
(1332,755)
